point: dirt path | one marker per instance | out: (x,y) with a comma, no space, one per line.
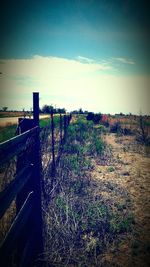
(14,120)
(125,183)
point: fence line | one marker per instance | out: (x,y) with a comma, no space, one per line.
(26,187)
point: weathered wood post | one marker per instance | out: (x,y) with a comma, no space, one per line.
(65,127)
(32,157)
(36,108)
(28,156)
(37,180)
(53,147)
(61,129)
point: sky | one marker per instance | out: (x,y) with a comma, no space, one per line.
(89,54)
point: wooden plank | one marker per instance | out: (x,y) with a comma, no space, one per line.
(16,228)
(29,252)
(25,124)
(15,145)
(7,195)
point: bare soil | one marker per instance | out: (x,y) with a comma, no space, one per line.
(123,181)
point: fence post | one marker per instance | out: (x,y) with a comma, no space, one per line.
(65,127)
(53,147)
(36,108)
(37,216)
(24,125)
(60,129)
(34,183)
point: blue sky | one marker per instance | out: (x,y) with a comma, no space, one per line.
(63,48)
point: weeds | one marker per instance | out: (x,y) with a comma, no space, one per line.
(80,226)
(119,224)
(96,147)
(111,169)
(102,129)
(116,128)
(142,134)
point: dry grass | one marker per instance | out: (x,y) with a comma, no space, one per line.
(131,175)
(90,218)
(97,213)
(5,114)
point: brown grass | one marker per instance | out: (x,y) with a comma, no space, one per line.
(131,175)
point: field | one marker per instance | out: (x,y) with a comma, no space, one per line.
(6,114)
(8,130)
(97,213)
(100,217)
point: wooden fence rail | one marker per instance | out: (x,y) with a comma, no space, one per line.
(15,186)
(25,232)
(15,145)
(15,229)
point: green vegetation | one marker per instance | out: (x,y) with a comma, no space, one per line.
(142,135)
(80,225)
(147,123)
(49,108)
(111,169)
(47,121)
(7,132)
(102,129)
(96,118)
(44,122)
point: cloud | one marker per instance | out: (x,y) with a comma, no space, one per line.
(71,84)
(85,59)
(53,77)
(124,60)
(45,67)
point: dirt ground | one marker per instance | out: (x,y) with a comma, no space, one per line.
(123,181)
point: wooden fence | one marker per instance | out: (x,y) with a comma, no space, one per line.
(24,240)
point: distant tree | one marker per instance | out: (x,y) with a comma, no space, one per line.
(4,108)
(80,111)
(74,112)
(47,109)
(90,116)
(97,118)
(51,108)
(94,117)
(61,110)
